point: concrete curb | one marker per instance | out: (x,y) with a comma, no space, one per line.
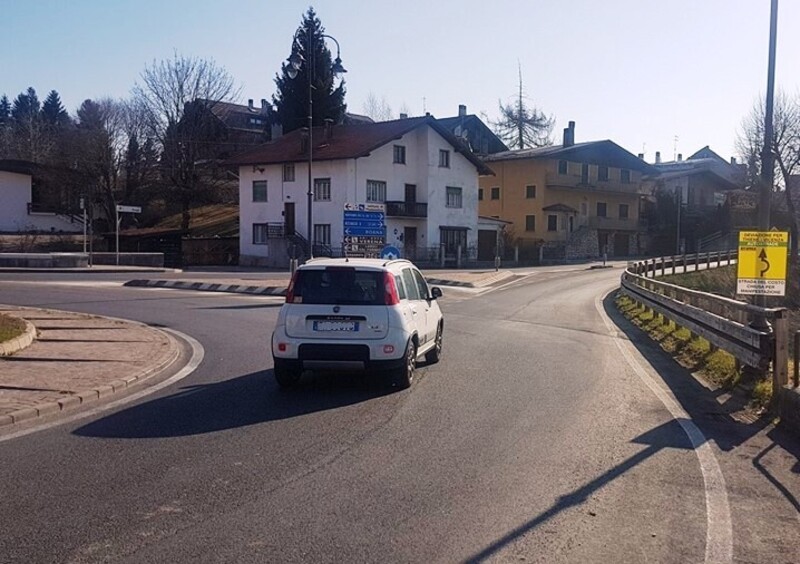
(8,348)
(89,396)
(209,287)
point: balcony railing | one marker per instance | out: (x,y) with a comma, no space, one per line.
(615,224)
(575,182)
(406,209)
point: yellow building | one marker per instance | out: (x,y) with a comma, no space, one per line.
(576,200)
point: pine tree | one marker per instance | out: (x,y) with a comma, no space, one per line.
(29,137)
(53,112)
(291,99)
(5,127)
(522,126)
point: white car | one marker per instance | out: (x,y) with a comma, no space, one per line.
(357,314)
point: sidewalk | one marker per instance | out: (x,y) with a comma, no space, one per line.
(76,359)
(275,283)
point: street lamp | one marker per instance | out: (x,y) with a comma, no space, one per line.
(295,63)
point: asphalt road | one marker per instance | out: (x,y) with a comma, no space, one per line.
(542,436)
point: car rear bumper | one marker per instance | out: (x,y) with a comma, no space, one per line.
(340,365)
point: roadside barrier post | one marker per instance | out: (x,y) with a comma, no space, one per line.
(780,359)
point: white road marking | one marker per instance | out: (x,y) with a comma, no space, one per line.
(198,352)
(719,530)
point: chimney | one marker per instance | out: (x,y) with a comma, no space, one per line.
(327,134)
(250,104)
(733,160)
(658,157)
(680,157)
(403,116)
(569,135)
(264,106)
(462,110)
(641,156)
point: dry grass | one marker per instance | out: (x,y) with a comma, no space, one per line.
(10,328)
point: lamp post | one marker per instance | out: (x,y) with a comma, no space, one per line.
(296,61)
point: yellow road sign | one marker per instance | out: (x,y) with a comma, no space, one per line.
(762,262)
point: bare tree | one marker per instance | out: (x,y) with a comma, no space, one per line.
(522,125)
(378,110)
(785,147)
(177,96)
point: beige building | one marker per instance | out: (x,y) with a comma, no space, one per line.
(575,200)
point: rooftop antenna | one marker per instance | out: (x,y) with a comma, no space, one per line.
(675,149)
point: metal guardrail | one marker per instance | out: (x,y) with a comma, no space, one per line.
(723,322)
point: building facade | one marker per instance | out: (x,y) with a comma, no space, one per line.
(574,201)
(425,178)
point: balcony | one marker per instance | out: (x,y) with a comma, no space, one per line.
(575,182)
(615,224)
(407,209)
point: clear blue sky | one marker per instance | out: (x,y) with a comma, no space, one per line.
(639,72)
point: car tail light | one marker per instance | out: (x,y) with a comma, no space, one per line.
(390,295)
(282,347)
(290,289)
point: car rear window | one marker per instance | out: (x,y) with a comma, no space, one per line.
(339,286)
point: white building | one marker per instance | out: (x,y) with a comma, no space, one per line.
(427,179)
(19,211)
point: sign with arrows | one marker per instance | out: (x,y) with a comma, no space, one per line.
(761,266)
(364,229)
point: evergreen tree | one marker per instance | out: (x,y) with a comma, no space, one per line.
(5,111)
(522,126)
(5,127)
(29,138)
(291,98)
(53,112)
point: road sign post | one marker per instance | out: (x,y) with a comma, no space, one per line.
(364,229)
(761,269)
(123,209)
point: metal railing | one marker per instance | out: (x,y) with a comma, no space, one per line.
(723,322)
(406,209)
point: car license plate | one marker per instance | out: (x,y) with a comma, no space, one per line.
(336,326)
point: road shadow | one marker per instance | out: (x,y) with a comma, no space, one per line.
(238,402)
(714,418)
(668,435)
(245,306)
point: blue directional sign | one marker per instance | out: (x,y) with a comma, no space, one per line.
(390,252)
(365,231)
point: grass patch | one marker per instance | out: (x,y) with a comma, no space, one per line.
(10,327)
(694,353)
(720,281)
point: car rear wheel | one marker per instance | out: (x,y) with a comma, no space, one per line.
(404,376)
(435,354)
(285,376)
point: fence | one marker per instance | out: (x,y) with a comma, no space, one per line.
(723,322)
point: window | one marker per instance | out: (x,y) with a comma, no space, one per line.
(444,158)
(322,189)
(530,191)
(453,197)
(496,193)
(562,167)
(422,286)
(376,191)
(399,154)
(288,172)
(602,173)
(480,194)
(452,239)
(322,233)
(552,222)
(623,211)
(401,289)
(259,233)
(601,209)
(625,176)
(411,285)
(530,223)
(259,190)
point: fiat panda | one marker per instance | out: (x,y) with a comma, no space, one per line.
(353,314)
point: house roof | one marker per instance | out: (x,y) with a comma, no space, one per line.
(560,208)
(496,144)
(604,152)
(706,153)
(348,142)
(723,172)
(18,166)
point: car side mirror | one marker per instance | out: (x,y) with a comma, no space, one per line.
(436,292)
